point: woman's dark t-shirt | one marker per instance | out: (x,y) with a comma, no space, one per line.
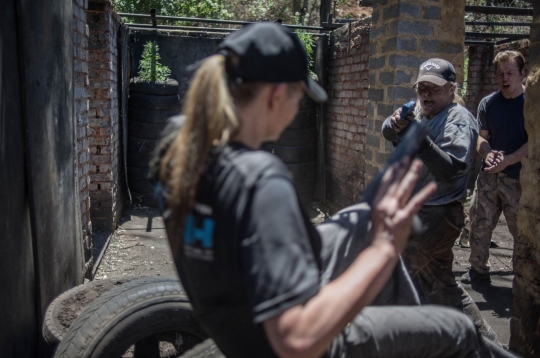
(248,250)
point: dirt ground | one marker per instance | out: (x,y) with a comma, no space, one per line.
(139,248)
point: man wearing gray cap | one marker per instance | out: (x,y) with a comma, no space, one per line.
(447,155)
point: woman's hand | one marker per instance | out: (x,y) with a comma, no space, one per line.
(392,212)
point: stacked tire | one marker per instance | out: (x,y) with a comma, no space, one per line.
(150,105)
(297,148)
(149,317)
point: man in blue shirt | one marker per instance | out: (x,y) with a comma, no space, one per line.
(502,144)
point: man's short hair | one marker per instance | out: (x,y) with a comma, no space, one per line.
(505,56)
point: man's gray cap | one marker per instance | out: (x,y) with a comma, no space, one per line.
(437,71)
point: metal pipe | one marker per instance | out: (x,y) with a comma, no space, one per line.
(496,36)
(153,17)
(479,42)
(172,27)
(211,21)
(499,10)
(480,23)
(192,28)
(504,41)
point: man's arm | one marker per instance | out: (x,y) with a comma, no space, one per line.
(442,165)
(482,145)
(307,329)
(484,149)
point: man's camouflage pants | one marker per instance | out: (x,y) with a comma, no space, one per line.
(494,193)
(429,258)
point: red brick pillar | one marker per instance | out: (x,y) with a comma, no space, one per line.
(346,114)
(104,144)
(80,73)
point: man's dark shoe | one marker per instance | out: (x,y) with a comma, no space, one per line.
(472,276)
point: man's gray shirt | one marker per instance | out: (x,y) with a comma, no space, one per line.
(455,131)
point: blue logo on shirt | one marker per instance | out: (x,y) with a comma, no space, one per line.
(204,235)
(199,234)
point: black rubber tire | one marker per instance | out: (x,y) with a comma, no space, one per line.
(138,161)
(306,189)
(145,130)
(119,319)
(307,103)
(206,349)
(140,173)
(144,199)
(53,331)
(140,186)
(160,103)
(150,115)
(298,137)
(305,118)
(293,154)
(141,146)
(304,171)
(304,179)
(165,88)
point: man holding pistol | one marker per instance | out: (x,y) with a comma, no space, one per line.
(447,154)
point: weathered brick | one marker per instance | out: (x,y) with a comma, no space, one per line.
(373,140)
(406,43)
(412,28)
(404,93)
(409,61)
(410,9)
(377,62)
(391,12)
(432,12)
(386,78)
(402,77)
(376,94)
(441,47)
(384,110)
(378,31)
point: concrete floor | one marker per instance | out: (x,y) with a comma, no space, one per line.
(139,247)
(493,299)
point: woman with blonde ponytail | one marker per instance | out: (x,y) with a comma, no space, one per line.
(263,282)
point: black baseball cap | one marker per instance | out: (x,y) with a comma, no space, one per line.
(269,52)
(436,71)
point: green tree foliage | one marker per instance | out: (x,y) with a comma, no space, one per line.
(246,10)
(308,41)
(189,8)
(150,70)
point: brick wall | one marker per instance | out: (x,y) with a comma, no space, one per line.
(103,133)
(80,74)
(481,79)
(346,113)
(405,34)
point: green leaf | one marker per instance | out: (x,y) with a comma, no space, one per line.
(150,70)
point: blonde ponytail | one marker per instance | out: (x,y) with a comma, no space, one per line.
(210,120)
